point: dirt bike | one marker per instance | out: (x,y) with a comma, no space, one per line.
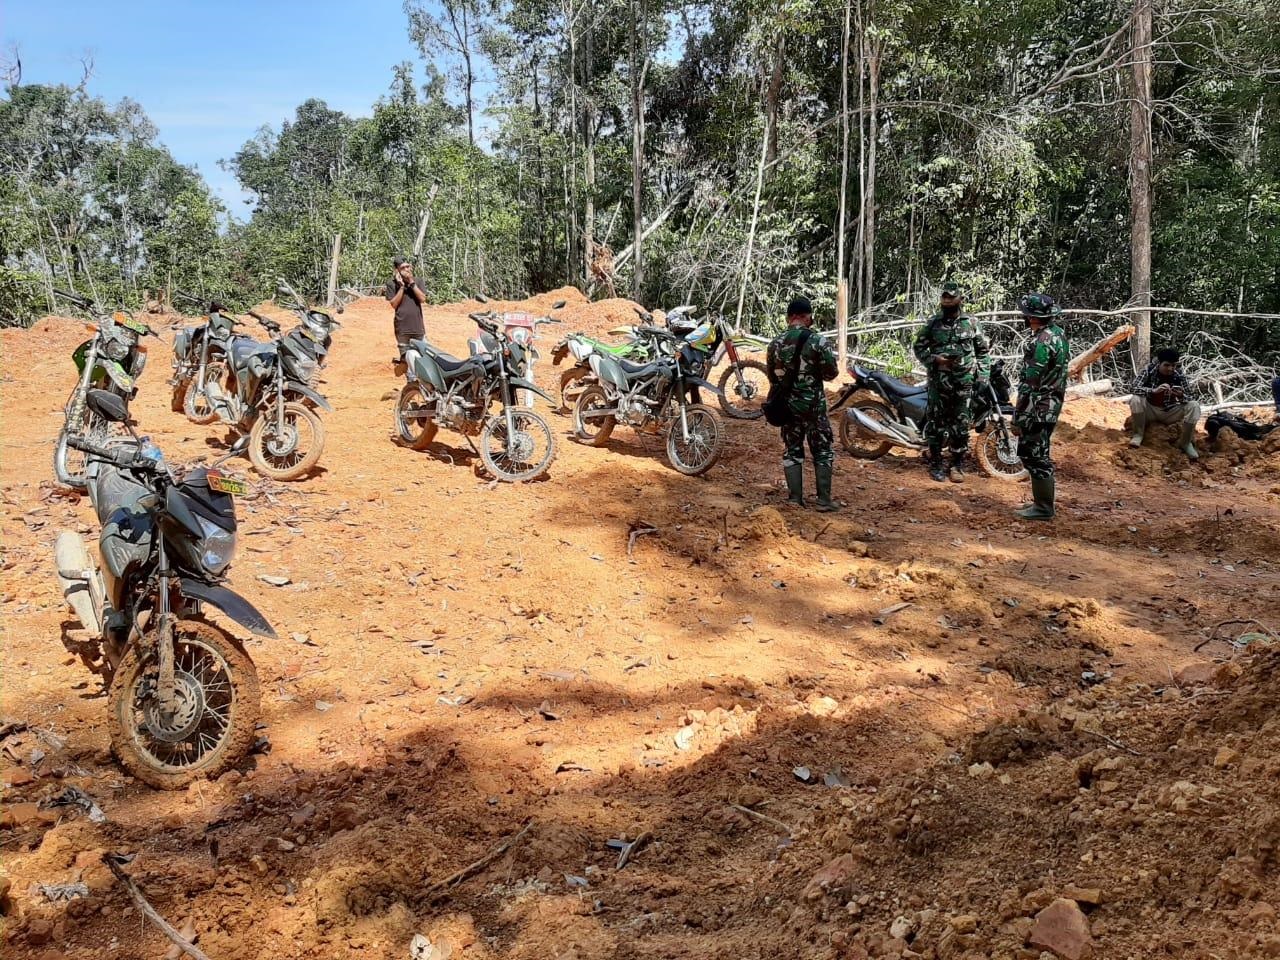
(653,398)
(891,414)
(744,384)
(183,694)
(515,444)
(580,347)
(265,395)
(200,353)
(112,360)
(522,328)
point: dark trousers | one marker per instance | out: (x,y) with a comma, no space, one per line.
(1033,449)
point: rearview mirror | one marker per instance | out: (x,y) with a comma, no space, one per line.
(283,292)
(341,309)
(108,406)
(481,298)
(558,305)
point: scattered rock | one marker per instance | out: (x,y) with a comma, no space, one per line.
(964,923)
(835,878)
(1195,674)
(1087,895)
(822,706)
(902,927)
(1225,757)
(1062,929)
(981,771)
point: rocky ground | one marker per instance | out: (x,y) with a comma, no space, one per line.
(915,728)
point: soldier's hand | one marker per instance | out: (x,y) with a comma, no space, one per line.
(1015,430)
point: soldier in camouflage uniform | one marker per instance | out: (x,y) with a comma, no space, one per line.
(808,403)
(956,356)
(1041,392)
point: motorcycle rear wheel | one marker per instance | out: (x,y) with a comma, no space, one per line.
(288,456)
(594,431)
(705,444)
(748,391)
(195,404)
(572,385)
(998,455)
(521,461)
(217,686)
(415,416)
(855,439)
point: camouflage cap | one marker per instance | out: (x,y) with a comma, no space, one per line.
(951,291)
(1039,305)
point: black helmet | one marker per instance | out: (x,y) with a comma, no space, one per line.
(1039,305)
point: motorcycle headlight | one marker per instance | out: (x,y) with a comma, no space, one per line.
(117,350)
(304,368)
(217,548)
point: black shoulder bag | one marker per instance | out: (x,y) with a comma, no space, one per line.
(777,405)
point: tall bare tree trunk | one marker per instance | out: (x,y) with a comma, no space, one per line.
(1140,180)
(638,66)
(588,145)
(773,93)
(842,275)
(859,247)
(869,207)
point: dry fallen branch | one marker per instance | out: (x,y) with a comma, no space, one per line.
(763,818)
(1081,362)
(148,911)
(641,530)
(625,856)
(440,886)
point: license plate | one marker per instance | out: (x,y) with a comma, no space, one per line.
(224,484)
(137,326)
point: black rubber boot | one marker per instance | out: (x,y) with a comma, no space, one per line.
(1042,492)
(822,480)
(794,472)
(936,470)
(956,473)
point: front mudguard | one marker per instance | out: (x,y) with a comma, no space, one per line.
(523,384)
(307,393)
(702,384)
(232,604)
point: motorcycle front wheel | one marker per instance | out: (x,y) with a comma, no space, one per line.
(195,403)
(287,454)
(743,387)
(415,416)
(859,441)
(697,454)
(523,455)
(212,727)
(588,426)
(997,453)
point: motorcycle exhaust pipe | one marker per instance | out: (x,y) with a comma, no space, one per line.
(78,578)
(880,429)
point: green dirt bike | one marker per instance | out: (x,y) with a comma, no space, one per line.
(581,348)
(111,360)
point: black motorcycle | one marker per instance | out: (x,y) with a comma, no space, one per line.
(183,693)
(654,397)
(478,396)
(266,395)
(890,413)
(111,360)
(199,358)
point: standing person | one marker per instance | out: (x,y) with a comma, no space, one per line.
(804,359)
(955,355)
(407,297)
(1160,395)
(1041,392)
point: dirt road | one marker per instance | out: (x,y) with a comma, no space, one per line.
(458,659)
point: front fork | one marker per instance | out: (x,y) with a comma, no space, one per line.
(82,394)
(165,692)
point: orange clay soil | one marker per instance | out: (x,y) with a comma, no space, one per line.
(985,710)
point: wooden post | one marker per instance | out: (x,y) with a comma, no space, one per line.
(333,269)
(842,322)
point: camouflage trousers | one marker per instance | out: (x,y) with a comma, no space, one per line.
(814,426)
(948,421)
(1033,449)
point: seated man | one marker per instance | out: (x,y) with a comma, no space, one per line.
(1160,394)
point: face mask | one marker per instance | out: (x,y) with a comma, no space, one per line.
(951,312)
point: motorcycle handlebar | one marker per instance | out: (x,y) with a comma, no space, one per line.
(121,456)
(71,297)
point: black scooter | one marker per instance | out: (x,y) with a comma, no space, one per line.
(183,692)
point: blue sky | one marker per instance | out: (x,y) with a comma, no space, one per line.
(210,74)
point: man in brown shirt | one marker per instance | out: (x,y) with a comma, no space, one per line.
(407,297)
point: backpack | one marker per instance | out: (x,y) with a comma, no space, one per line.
(777,405)
(1242,428)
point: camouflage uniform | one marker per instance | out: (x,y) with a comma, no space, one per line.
(1041,393)
(808,396)
(951,389)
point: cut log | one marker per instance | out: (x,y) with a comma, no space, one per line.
(1093,388)
(1099,350)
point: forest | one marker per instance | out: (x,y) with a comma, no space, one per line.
(1111,152)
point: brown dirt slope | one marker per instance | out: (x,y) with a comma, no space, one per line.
(991,703)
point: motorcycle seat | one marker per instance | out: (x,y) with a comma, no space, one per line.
(895,387)
(244,349)
(637,369)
